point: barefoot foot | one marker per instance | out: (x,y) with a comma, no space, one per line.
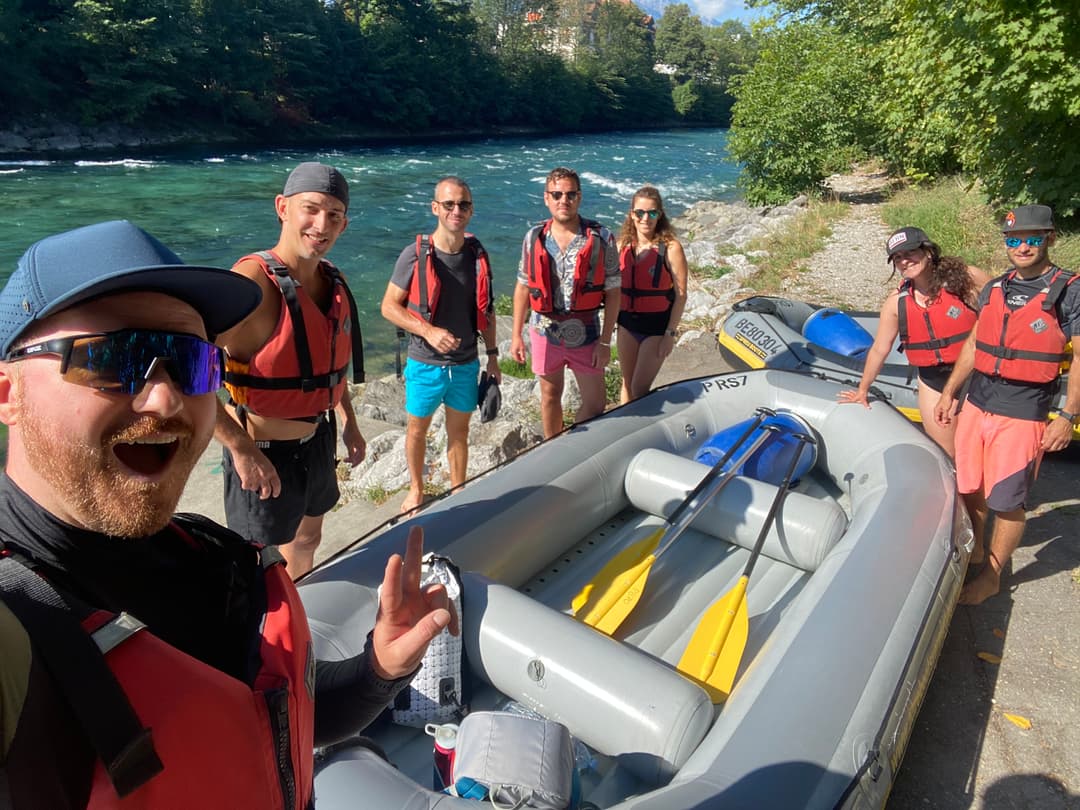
(412,500)
(985,585)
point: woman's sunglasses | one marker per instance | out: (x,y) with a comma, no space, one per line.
(121,362)
(641,213)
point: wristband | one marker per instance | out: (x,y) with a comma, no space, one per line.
(492,352)
(1068,416)
(605,345)
(671,333)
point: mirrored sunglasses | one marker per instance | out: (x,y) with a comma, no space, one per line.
(570,195)
(1032,241)
(641,213)
(121,362)
(448,205)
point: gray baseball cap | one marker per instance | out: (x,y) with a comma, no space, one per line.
(905,239)
(1028,218)
(317,177)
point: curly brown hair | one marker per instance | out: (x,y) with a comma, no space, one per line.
(948,273)
(664,229)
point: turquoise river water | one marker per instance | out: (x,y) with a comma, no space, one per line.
(215,205)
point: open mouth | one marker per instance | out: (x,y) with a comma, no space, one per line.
(147,456)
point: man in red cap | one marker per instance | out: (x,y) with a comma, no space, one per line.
(1013,358)
(287,375)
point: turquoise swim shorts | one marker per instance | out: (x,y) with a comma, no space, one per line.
(427,385)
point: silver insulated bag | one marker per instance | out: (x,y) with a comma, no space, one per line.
(436,693)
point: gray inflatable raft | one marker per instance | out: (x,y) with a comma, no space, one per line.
(848,605)
(768,332)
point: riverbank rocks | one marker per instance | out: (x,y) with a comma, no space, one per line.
(385,468)
(49,138)
(715,236)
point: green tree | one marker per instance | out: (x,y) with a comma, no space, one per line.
(680,43)
(987,87)
(703,61)
(731,49)
(804,111)
(616,54)
(1006,78)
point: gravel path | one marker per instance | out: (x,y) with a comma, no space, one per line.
(850,271)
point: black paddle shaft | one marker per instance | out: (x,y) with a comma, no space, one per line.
(803,439)
(760,415)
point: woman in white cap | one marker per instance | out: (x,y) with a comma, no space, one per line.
(933,311)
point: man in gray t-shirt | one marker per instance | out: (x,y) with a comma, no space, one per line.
(1012,358)
(441,294)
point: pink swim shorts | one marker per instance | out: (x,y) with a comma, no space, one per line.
(549,356)
(998,454)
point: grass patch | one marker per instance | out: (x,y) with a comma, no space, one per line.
(379,495)
(512,368)
(712,271)
(504,304)
(803,237)
(958,217)
(613,381)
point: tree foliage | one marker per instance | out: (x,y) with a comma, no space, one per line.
(803,112)
(703,62)
(276,69)
(985,87)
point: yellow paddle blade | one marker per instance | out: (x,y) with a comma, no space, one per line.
(625,559)
(712,657)
(616,603)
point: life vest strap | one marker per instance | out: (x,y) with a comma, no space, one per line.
(937,343)
(303,350)
(78,667)
(305,384)
(1057,288)
(1005,353)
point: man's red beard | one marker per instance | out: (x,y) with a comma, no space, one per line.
(100,483)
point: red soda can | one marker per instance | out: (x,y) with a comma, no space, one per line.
(445,744)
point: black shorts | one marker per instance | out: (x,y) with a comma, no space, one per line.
(935,377)
(645,324)
(309,487)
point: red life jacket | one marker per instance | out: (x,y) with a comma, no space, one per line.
(935,335)
(588,292)
(208,740)
(648,284)
(425,286)
(300,372)
(1026,344)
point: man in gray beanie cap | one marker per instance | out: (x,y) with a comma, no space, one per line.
(287,375)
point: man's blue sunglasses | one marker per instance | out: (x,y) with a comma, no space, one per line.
(1032,241)
(121,362)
